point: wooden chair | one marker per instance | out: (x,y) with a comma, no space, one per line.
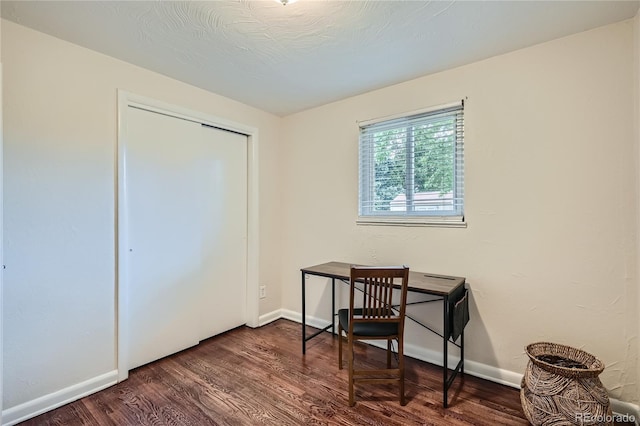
(381,317)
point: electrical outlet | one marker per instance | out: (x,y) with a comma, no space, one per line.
(263,291)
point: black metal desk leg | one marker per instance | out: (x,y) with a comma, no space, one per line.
(462,351)
(333,306)
(445,363)
(304,320)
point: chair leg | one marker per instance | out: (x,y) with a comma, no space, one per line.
(401,368)
(339,346)
(388,353)
(352,401)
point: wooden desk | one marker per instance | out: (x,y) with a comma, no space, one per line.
(443,288)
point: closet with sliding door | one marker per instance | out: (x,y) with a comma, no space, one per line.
(182,232)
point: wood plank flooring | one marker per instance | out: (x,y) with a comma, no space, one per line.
(259,376)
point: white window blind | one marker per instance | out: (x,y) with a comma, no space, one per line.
(412,168)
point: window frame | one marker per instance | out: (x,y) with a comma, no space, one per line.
(367,216)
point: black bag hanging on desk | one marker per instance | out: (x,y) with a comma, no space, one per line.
(458,313)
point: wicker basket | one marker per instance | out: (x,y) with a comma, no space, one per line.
(561,387)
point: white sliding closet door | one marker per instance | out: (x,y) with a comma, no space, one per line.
(224,296)
(186,260)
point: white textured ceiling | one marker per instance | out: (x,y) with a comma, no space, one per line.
(285,59)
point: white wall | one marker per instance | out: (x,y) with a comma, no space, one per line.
(60,136)
(550,249)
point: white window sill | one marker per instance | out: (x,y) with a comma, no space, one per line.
(439,222)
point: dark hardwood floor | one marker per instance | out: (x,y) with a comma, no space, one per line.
(259,376)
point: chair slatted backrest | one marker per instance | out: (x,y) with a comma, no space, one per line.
(378,284)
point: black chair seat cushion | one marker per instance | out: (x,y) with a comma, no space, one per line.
(371,329)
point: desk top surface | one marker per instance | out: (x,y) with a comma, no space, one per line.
(421,282)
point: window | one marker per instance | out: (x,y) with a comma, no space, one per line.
(411,168)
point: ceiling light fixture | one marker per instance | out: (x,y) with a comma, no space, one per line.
(286,2)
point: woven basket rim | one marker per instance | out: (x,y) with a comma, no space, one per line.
(593,365)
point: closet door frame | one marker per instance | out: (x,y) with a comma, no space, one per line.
(126,100)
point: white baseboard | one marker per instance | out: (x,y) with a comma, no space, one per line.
(45,403)
(270,317)
(297,317)
(473,368)
(621,408)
